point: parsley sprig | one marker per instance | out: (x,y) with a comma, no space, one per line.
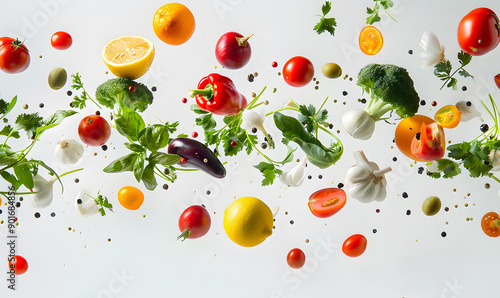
(442,70)
(477,155)
(79,102)
(326,24)
(102,202)
(373,13)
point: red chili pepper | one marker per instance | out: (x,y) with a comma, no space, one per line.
(429,143)
(217,94)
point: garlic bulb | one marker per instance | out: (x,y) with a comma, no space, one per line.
(69,151)
(295,177)
(43,192)
(85,204)
(359,124)
(365,181)
(467,111)
(433,50)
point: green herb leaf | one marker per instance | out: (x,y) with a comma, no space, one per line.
(54,120)
(122,164)
(134,147)
(449,168)
(148,177)
(6,108)
(127,121)
(206,121)
(9,130)
(373,16)
(102,202)
(464,58)
(326,24)
(326,7)
(11,179)
(139,166)
(164,159)
(24,175)
(29,123)
(154,137)
(269,171)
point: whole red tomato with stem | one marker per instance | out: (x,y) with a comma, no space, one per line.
(296,258)
(479,31)
(18,265)
(327,201)
(61,40)
(194,222)
(354,246)
(14,55)
(94,130)
(298,71)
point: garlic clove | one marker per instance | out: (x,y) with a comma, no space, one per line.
(433,51)
(85,204)
(68,151)
(495,160)
(43,189)
(359,124)
(467,111)
(295,177)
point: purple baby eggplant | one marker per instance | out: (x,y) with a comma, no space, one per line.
(197,155)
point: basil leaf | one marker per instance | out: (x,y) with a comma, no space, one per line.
(139,166)
(148,177)
(164,159)
(24,175)
(154,137)
(11,179)
(54,120)
(134,147)
(122,164)
(127,121)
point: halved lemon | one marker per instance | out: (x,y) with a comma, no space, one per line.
(128,56)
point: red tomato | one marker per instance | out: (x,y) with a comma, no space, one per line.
(296,258)
(429,144)
(298,71)
(497,80)
(354,246)
(406,131)
(14,55)
(326,202)
(490,223)
(94,130)
(194,222)
(18,265)
(61,40)
(479,31)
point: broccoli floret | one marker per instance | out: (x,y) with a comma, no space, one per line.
(390,88)
(119,90)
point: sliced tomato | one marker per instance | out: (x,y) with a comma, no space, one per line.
(448,116)
(429,144)
(327,201)
(406,131)
(490,223)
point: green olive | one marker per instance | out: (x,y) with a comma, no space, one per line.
(431,206)
(57,78)
(331,70)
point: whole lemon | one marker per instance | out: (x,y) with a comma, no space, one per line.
(248,221)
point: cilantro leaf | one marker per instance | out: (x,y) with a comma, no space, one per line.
(79,102)
(102,202)
(476,166)
(464,58)
(442,70)
(269,171)
(448,167)
(8,130)
(373,16)
(326,24)
(29,123)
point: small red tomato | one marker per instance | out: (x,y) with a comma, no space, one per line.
(429,143)
(497,80)
(296,258)
(298,71)
(94,130)
(490,223)
(326,202)
(354,246)
(14,55)
(194,222)
(18,265)
(479,32)
(61,40)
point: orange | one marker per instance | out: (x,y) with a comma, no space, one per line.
(370,40)
(130,197)
(173,23)
(128,56)
(406,131)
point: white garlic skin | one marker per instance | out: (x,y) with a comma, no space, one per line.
(69,151)
(43,189)
(87,207)
(359,124)
(467,111)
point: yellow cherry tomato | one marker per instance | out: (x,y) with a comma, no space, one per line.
(370,40)
(448,116)
(406,131)
(130,197)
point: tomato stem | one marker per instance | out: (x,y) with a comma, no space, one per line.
(184,235)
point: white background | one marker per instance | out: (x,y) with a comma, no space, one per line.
(407,257)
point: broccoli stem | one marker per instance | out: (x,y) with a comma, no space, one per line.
(377,108)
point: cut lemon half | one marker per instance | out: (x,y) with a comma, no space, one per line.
(128,56)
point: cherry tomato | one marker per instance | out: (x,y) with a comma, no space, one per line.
(130,197)
(448,116)
(14,55)
(354,246)
(370,40)
(194,222)
(479,32)
(296,258)
(61,40)
(406,131)
(18,265)
(429,144)
(94,130)
(497,80)
(491,224)
(327,201)
(298,71)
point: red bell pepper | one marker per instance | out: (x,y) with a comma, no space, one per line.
(217,94)
(429,143)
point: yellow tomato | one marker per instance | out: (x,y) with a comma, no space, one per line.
(130,197)
(370,40)
(406,131)
(448,116)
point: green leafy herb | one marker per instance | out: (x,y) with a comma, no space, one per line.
(102,202)
(326,24)
(309,117)
(29,123)
(373,13)
(269,171)
(79,102)
(442,70)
